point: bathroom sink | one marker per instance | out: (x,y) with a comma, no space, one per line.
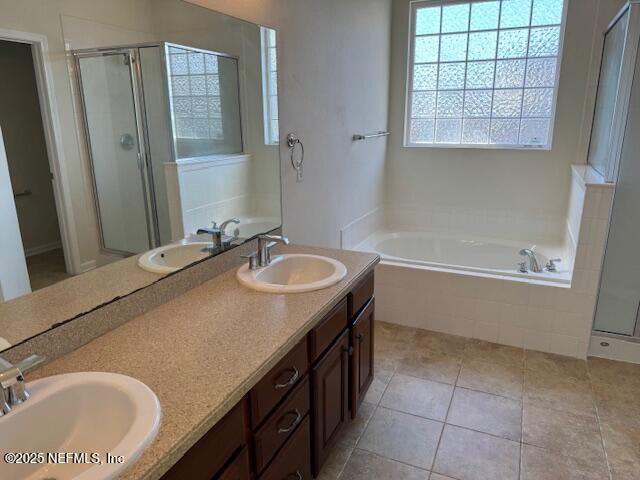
(89,412)
(293,273)
(173,257)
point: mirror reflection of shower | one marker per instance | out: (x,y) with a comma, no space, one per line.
(146,107)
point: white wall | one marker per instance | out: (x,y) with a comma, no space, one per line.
(14,280)
(21,123)
(334,79)
(525,185)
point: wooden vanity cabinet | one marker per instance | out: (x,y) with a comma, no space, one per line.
(286,426)
(220,454)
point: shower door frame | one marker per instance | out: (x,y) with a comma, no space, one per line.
(631,50)
(144,159)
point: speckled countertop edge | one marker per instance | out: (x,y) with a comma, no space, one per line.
(195,354)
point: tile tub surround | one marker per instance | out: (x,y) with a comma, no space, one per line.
(542,317)
(213,342)
(532,315)
(485,434)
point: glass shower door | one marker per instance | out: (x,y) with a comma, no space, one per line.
(619,296)
(600,149)
(117,157)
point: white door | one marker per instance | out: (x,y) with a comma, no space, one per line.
(14,278)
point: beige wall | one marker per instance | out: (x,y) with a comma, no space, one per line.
(21,123)
(334,65)
(525,183)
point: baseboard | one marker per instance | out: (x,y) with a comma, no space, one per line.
(614,348)
(47,247)
(86,266)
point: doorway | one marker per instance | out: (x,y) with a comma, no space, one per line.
(29,168)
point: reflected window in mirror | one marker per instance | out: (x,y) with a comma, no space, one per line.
(205,102)
(270,85)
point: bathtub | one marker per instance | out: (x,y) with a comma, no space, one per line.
(464,254)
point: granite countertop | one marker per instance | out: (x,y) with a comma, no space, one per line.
(32,314)
(203,351)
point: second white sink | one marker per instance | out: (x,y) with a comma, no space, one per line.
(293,273)
(89,412)
(173,257)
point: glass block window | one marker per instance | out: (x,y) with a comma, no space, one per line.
(482,73)
(270,85)
(195,94)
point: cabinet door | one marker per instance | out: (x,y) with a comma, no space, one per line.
(362,359)
(239,469)
(330,396)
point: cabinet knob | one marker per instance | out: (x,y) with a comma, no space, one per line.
(348,350)
(359,336)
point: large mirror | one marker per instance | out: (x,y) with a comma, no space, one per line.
(138,138)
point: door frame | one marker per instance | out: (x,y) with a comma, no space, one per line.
(55,153)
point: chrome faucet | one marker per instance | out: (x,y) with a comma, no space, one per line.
(265,244)
(534,265)
(13,389)
(217,232)
(262,258)
(223,225)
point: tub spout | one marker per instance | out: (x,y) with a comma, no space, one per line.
(534,265)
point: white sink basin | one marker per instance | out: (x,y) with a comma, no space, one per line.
(293,273)
(80,412)
(173,257)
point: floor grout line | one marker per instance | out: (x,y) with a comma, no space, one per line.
(435,454)
(595,406)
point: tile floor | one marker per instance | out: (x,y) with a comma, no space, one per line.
(47,268)
(444,407)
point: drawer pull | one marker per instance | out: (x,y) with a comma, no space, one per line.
(295,476)
(293,424)
(359,336)
(295,373)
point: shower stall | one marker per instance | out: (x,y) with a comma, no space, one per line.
(615,153)
(145,106)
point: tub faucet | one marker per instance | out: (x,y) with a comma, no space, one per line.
(534,265)
(216,233)
(226,241)
(13,390)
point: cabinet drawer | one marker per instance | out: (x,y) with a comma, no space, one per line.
(360,295)
(294,460)
(239,469)
(207,457)
(278,382)
(332,325)
(281,425)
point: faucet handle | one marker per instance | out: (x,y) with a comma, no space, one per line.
(29,363)
(253,260)
(551,265)
(522,267)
